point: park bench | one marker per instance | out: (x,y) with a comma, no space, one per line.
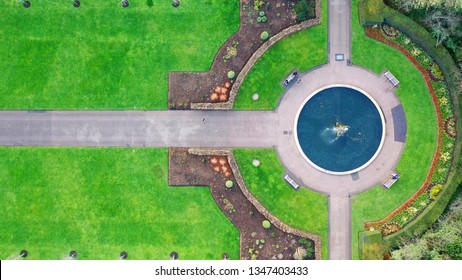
(391,180)
(391,78)
(291,182)
(290,78)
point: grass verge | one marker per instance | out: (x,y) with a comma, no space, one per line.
(103,56)
(100,202)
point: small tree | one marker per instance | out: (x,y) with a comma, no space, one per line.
(264,35)
(266,224)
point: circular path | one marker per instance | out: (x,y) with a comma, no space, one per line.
(379,169)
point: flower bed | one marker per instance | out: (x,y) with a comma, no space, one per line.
(442,160)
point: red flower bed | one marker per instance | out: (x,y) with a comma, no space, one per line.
(377,35)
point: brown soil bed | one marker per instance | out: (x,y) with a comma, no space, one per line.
(186,88)
(256,242)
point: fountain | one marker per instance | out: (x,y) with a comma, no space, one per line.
(323,137)
(340,129)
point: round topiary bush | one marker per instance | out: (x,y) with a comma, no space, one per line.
(266,224)
(262,13)
(229,184)
(263,19)
(259,19)
(264,35)
(231,75)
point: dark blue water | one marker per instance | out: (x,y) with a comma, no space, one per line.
(318,138)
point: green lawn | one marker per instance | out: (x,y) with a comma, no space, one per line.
(303,209)
(303,50)
(103,56)
(100,202)
(420,146)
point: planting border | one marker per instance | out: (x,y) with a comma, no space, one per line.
(377,35)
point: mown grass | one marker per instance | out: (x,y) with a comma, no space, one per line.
(420,146)
(100,202)
(103,56)
(303,209)
(303,50)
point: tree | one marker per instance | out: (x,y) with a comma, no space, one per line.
(442,241)
(444,24)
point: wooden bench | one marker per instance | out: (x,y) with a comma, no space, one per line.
(391,180)
(391,78)
(290,78)
(291,182)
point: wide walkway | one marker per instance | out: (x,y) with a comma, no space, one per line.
(138,128)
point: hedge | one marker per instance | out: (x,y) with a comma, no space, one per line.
(374,12)
(429,215)
(371,245)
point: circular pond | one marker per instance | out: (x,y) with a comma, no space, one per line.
(339,130)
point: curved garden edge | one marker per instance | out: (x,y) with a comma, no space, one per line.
(440,131)
(240,182)
(228,105)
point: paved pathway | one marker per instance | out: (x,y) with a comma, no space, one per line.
(234,129)
(138,128)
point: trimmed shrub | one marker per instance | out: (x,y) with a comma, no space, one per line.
(261,13)
(263,19)
(264,35)
(231,75)
(266,224)
(435,191)
(229,184)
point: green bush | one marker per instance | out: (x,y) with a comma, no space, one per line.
(436,71)
(258,19)
(261,13)
(435,191)
(257,4)
(229,184)
(266,224)
(305,11)
(231,75)
(370,12)
(263,19)
(264,35)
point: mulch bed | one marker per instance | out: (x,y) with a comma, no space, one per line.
(256,241)
(186,88)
